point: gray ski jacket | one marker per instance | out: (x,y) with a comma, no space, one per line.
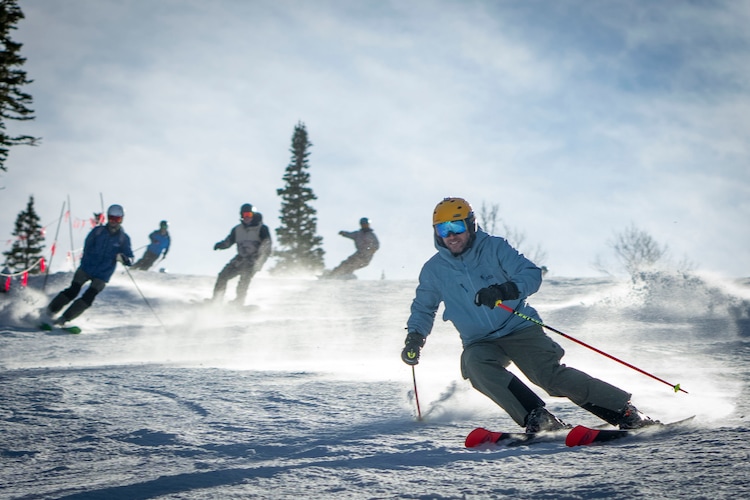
(365,240)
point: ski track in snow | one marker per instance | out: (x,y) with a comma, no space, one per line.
(305,395)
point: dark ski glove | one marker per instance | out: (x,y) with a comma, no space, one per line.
(217,246)
(490,295)
(124,259)
(414,342)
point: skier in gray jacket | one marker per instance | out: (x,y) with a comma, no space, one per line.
(470,273)
(366,244)
(253,240)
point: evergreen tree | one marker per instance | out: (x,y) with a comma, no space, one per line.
(29,243)
(299,249)
(13,101)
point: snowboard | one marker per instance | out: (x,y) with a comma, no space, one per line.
(230,306)
(327,276)
(582,436)
(47,327)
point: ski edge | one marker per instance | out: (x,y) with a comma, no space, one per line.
(480,437)
(46,327)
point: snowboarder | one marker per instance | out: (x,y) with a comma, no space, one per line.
(105,246)
(159,246)
(469,274)
(366,244)
(253,241)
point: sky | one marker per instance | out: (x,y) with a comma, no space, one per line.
(576,119)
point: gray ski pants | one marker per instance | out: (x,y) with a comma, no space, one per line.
(538,357)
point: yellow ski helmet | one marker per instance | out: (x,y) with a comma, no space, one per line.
(451,209)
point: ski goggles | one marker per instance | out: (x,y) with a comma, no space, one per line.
(247,214)
(443,229)
(115,218)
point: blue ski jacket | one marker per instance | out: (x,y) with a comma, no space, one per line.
(455,279)
(159,242)
(100,252)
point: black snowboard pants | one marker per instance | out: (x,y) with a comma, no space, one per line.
(244,267)
(76,308)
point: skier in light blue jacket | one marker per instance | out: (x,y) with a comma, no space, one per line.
(470,273)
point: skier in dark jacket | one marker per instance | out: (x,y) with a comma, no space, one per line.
(159,246)
(253,240)
(469,274)
(105,246)
(366,244)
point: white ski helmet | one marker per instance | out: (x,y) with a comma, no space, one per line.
(116,211)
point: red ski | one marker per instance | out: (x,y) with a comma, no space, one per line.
(582,436)
(578,436)
(481,436)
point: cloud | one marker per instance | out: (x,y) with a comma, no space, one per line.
(577,119)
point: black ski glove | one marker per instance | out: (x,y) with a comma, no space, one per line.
(123,259)
(217,246)
(414,342)
(490,295)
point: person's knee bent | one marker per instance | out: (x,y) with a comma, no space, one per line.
(469,359)
(92,291)
(475,359)
(225,275)
(72,291)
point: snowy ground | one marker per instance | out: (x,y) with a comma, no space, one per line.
(304,395)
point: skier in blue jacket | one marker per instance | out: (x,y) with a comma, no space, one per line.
(105,246)
(160,242)
(470,273)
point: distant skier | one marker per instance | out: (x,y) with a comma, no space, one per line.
(366,244)
(105,246)
(469,274)
(253,241)
(159,246)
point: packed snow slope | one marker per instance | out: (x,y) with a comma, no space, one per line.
(302,394)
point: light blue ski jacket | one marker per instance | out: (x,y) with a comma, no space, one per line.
(455,280)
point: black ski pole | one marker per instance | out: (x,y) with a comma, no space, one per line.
(145,299)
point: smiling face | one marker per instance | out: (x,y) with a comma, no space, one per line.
(457,243)
(113,222)
(453,223)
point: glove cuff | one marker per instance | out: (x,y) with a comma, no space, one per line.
(415,338)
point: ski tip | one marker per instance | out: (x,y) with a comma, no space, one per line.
(72,329)
(480,436)
(580,436)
